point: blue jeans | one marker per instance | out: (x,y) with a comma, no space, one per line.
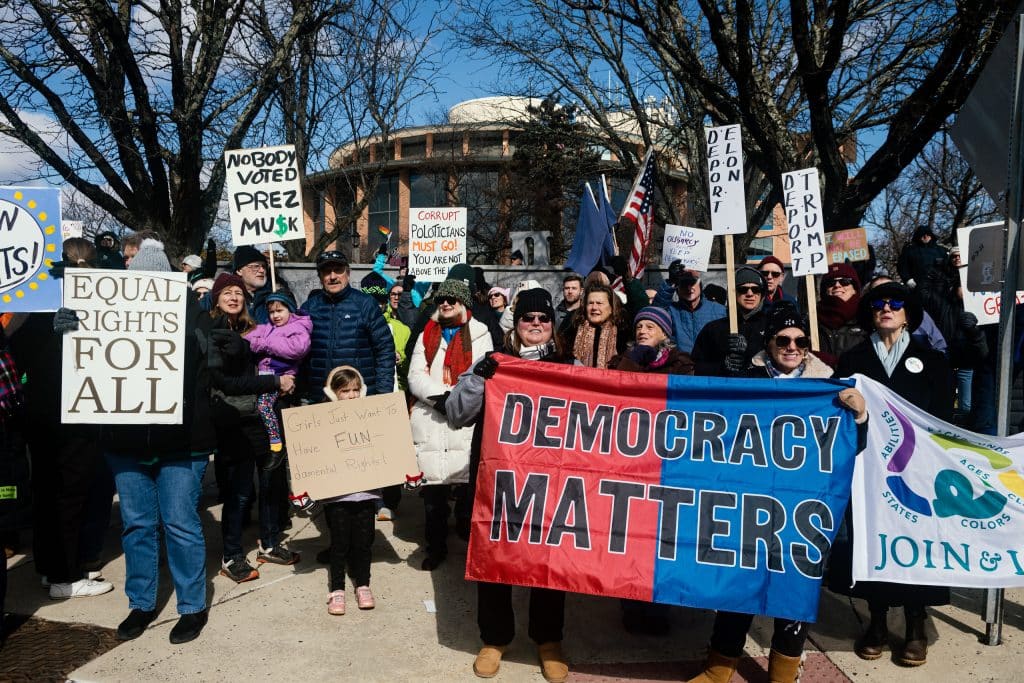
(167,493)
(963,390)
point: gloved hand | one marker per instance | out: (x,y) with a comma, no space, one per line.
(439,402)
(383,249)
(911,283)
(674,270)
(57,270)
(486,367)
(211,245)
(968,321)
(620,267)
(641,354)
(227,342)
(736,359)
(408,282)
(65,320)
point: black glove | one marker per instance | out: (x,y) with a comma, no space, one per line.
(227,342)
(968,321)
(486,367)
(57,270)
(642,355)
(408,282)
(439,402)
(383,249)
(65,320)
(736,359)
(620,267)
(675,269)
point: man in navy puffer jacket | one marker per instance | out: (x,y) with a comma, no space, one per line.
(348,329)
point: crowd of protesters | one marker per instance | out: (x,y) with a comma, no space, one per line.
(251,351)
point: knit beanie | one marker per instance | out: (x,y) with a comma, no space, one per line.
(244,255)
(499,290)
(534,300)
(745,275)
(785,314)
(839,270)
(282,296)
(151,257)
(774,260)
(226,280)
(656,315)
(192,260)
(202,283)
(457,289)
(376,286)
(464,273)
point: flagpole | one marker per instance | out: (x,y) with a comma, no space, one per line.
(273,274)
(608,200)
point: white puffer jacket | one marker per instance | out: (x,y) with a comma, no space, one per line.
(442,452)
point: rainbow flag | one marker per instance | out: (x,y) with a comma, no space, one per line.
(384,231)
(697,491)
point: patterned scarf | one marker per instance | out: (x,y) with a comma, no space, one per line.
(458,357)
(833,312)
(595,346)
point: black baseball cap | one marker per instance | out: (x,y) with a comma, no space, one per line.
(332,256)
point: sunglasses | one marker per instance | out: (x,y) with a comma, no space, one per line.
(841,281)
(497,296)
(782,341)
(450,300)
(893,304)
(542,318)
(770,273)
(749,289)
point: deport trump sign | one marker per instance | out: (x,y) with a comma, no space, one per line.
(705,492)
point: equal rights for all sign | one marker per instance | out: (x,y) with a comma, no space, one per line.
(124,364)
(704,492)
(264,195)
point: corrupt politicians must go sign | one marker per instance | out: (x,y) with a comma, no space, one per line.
(705,492)
(124,363)
(264,195)
(437,241)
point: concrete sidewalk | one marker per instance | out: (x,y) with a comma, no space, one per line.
(424,626)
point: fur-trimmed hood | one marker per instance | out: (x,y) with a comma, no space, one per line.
(814,367)
(327,385)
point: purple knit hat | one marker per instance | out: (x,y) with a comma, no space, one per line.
(658,316)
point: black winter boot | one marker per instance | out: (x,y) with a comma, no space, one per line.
(876,637)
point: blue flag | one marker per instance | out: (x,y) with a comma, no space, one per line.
(589,240)
(610,218)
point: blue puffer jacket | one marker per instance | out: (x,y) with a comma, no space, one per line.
(348,329)
(687,324)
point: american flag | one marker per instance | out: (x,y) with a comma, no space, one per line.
(639,211)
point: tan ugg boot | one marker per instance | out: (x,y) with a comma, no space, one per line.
(717,669)
(552,662)
(783,669)
(488,660)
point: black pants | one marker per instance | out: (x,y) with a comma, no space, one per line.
(392,496)
(351,525)
(730,634)
(63,471)
(497,621)
(436,509)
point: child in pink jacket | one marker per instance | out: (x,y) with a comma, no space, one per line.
(281,344)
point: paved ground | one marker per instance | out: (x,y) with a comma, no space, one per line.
(424,628)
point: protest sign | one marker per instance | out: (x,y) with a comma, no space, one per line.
(847,245)
(984,305)
(30,241)
(935,504)
(437,241)
(348,446)
(728,203)
(705,492)
(689,245)
(124,363)
(264,195)
(804,219)
(69,229)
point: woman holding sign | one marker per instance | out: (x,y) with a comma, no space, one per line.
(894,358)
(532,338)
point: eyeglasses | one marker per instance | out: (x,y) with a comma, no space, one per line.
(893,304)
(397,295)
(770,274)
(254,266)
(542,318)
(841,281)
(497,296)
(749,289)
(450,300)
(783,342)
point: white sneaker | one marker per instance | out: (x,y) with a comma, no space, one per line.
(45,582)
(384,515)
(83,588)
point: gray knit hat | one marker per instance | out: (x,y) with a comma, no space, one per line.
(457,289)
(151,257)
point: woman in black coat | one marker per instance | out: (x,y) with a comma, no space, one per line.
(892,357)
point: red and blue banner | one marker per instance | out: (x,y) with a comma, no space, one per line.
(697,491)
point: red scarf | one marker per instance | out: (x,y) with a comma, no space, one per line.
(833,312)
(458,357)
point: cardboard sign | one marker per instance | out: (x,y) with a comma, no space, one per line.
(689,245)
(343,447)
(124,364)
(437,241)
(847,245)
(264,195)
(30,242)
(805,222)
(725,180)
(69,229)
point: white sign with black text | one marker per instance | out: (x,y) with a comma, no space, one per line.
(805,222)
(689,245)
(725,180)
(437,241)
(264,195)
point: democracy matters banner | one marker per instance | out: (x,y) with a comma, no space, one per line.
(933,503)
(698,491)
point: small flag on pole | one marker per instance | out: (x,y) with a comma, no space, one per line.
(639,211)
(384,231)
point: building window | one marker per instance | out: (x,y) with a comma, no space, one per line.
(761,246)
(427,190)
(383,211)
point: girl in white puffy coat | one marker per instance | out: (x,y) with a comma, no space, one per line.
(449,344)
